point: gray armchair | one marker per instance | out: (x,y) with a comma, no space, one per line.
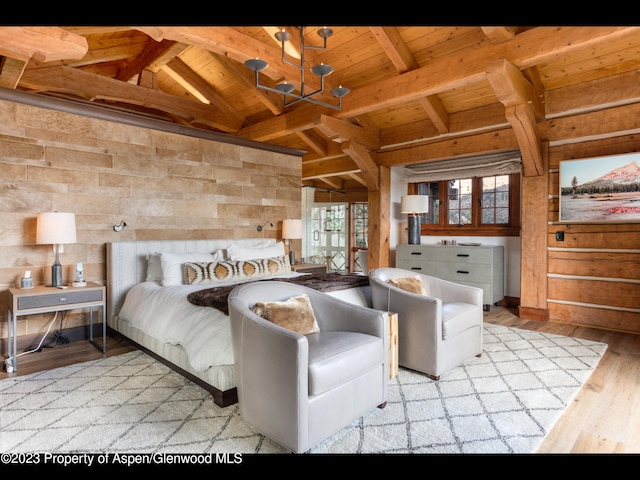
(437,331)
(300,389)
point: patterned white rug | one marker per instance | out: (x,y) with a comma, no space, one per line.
(503,402)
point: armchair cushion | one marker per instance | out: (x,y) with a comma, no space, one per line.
(335,358)
(295,314)
(410,284)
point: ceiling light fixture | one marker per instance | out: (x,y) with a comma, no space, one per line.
(321,70)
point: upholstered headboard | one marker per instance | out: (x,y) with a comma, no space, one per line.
(127,261)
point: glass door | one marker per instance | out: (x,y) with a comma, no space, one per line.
(326,233)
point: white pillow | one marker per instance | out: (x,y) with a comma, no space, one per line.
(238,252)
(172,270)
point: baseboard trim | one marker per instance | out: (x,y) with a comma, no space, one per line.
(537,314)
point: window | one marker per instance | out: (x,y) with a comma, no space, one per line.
(487,206)
(360,217)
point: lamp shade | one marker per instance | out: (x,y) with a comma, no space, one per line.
(414,204)
(56,228)
(291,228)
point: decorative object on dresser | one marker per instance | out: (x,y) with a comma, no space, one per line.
(56,228)
(414,205)
(478,266)
(291,230)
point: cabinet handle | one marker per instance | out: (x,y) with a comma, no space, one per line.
(416,268)
(462,255)
(416,253)
(63,299)
(462,271)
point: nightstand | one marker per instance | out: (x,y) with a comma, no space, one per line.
(42,299)
(309,268)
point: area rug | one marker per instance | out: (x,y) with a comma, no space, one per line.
(503,402)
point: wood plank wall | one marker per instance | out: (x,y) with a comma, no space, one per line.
(593,276)
(163,185)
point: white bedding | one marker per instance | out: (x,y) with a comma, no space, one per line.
(204,332)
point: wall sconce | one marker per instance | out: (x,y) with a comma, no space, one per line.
(118,227)
(414,205)
(260,227)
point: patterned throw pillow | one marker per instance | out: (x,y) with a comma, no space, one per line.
(295,314)
(197,273)
(410,284)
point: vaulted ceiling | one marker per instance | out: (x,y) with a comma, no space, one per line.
(418,94)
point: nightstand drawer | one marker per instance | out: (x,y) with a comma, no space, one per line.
(309,268)
(59,299)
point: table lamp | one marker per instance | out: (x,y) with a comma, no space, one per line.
(56,228)
(291,229)
(414,205)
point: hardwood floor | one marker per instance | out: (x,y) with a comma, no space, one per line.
(603,418)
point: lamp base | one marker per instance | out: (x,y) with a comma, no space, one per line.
(56,275)
(292,257)
(414,229)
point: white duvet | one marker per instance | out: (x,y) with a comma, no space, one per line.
(204,332)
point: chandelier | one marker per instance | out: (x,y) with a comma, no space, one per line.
(321,70)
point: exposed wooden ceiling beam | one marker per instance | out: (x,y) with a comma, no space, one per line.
(366,161)
(194,83)
(11,70)
(43,44)
(90,86)
(148,57)
(395,48)
(229,42)
(341,131)
(522,107)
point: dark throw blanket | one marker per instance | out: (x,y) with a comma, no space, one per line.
(216,297)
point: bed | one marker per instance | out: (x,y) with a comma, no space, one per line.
(147,302)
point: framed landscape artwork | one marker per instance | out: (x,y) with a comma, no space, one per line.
(600,189)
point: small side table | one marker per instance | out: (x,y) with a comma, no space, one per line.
(42,299)
(309,268)
(393,345)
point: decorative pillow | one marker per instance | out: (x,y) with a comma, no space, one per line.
(172,265)
(294,314)
(238,252)
(196,273)
(410,284)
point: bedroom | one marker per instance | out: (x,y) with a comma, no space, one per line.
(106,172)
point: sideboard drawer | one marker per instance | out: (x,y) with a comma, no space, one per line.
(61,298)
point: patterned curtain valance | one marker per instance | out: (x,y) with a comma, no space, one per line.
(481,166)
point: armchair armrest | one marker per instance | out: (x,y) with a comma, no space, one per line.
(334,314)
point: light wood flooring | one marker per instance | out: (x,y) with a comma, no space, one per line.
(603,418)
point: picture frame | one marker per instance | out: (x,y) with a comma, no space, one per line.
(603,189)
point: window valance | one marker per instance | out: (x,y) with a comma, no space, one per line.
(481,166)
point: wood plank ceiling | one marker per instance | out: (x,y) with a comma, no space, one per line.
(422,86)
